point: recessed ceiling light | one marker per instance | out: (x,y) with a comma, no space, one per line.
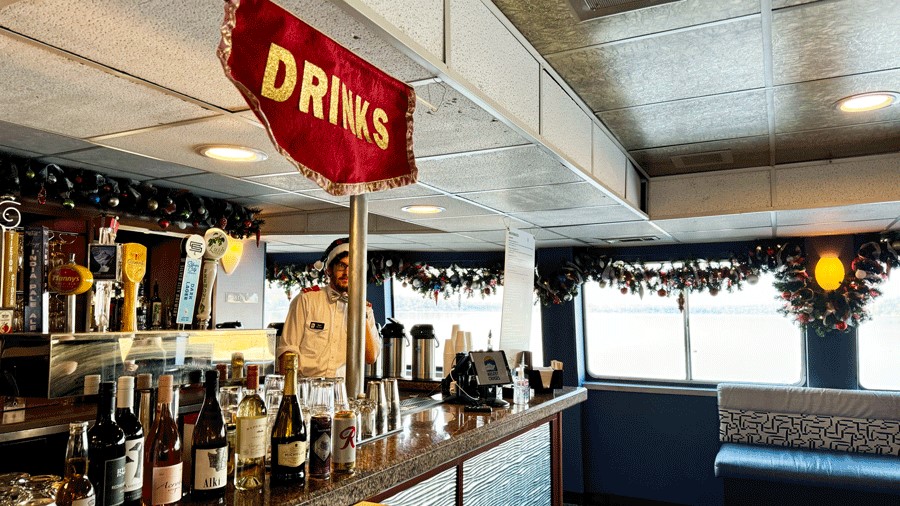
(232,153)
(422,209)
(867,101)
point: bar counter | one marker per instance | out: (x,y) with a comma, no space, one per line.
(433,443)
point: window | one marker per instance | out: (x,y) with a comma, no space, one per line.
(737,336)
(276,304)
(879,340)
(476,314)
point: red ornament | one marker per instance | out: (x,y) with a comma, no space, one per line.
(786,295)
(662,292)
(248,223)
(841,325)
(223,222)
(624,290)
(803,318)
(164,223)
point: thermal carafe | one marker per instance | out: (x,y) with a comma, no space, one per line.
(393,340)
(424,344)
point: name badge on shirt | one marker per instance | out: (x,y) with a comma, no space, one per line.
(316,325)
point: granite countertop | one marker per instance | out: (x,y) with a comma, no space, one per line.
(429,438)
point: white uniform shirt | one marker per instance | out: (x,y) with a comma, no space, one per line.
(316,330)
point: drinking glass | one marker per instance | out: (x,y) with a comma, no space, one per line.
(274,391)
(340,394)
(323,396)
(229,398)
(303,388)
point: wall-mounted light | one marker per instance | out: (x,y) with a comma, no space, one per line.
(829,272)
(867,101)
(232,153)
(423,209)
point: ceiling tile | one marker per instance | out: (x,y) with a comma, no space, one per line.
(827,39)
(73,164)
(800,106)
(294,201)
(508,168)
(835,228)
(844,142)
(453,208)
(551,27)
(579,216)
(734,115)
(708,60)
(410,190)
(294,181)
(539,198)
(49,92)
(37,141)
(561,243)
(745,152)
(224,184)
(743,234)
(494,236)
(716,223)
(115,159)
(324,195)
(456,125)
(609,231)
(265,208)
(542,234)
(179,143)
(871,212)
(491,222)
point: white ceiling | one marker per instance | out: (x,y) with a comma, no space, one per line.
(132,88)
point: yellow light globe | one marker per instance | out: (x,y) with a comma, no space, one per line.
(829,272)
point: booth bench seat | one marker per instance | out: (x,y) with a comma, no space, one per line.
(794,445)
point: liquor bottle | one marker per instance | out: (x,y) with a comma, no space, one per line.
(237,369)
(134,441)
(162,456)
(209,450)
(156,309)
(145,404)
(76,489)
(115,310)
(190,394)
(106,450)
(289,441)
(141,308)
(250,454)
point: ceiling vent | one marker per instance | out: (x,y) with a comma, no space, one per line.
(643,238)
(591,9)
(703,160)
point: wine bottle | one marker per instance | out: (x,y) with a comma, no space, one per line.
(250,454)
(162,456)
(289,439)
(145,404)
(141,308)
(237,369)
(106,450)
(209,451)
(134,441)
(156,309)
(76,489)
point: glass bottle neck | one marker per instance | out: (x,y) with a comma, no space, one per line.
(106,407)
(290,382)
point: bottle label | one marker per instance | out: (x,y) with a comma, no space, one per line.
(210,468)
(87,501)
(134,468)
(322,446)
(251,436)
(166,484)
(114,482)
(292,454)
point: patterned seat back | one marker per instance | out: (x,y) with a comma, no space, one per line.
(815,418)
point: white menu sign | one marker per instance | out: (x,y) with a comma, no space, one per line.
(518,294)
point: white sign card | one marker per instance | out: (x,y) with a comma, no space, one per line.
(518,293)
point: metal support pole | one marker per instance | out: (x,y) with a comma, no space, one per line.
(356,307)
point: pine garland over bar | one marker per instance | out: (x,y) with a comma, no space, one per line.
(809,305)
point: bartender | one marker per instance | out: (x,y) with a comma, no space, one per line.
(316,324)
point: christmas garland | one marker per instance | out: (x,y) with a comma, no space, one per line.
(428,280)
(844,307)
(70,187)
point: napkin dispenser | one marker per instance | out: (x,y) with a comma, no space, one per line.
(545,379)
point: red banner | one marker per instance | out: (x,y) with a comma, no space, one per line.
(342,122)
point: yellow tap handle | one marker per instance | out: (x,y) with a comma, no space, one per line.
(11,266)
(134,266)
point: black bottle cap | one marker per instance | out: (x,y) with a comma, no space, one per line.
(212,375)
(195,376)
